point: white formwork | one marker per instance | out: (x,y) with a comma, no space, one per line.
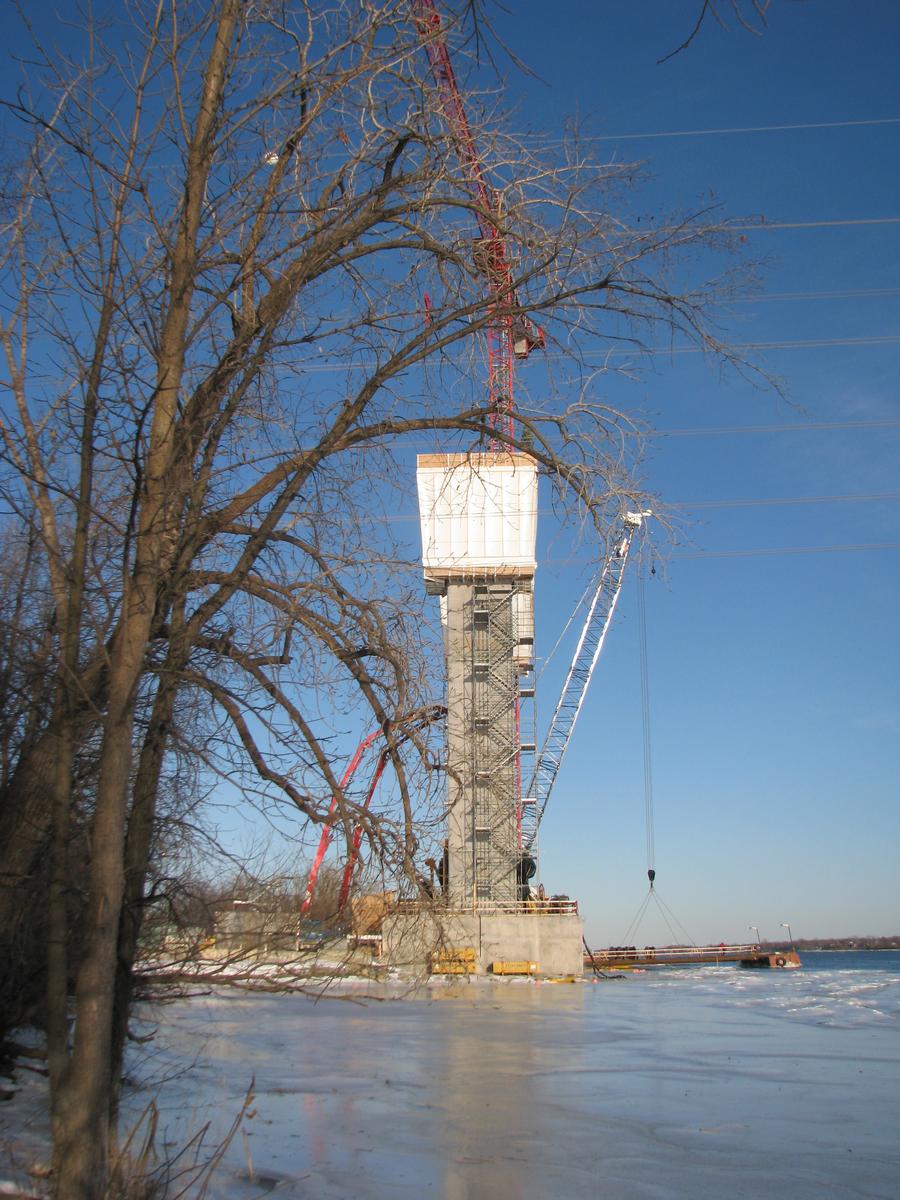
(477,512)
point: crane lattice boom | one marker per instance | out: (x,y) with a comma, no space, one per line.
(590,643)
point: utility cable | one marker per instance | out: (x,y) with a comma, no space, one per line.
(765,551)
(757,501)
(805,427)
(733,129)
(734,430)
(889,339)
(309,365)
(833,294)
(838,222)
(743,502)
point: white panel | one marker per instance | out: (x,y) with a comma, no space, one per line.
(477,510)
(523,627)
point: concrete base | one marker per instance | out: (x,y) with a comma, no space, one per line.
(552,940)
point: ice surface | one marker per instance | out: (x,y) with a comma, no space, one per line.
(701,1083)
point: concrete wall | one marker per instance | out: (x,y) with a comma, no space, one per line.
(552,940)
(249,929)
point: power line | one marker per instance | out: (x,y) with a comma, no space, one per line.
(890,339)
(622,352)
(763,224)
(835,294)
(756,552)
(762,501)
(733,431)
(810,426)
(679,133)
(748,502)
(855,548)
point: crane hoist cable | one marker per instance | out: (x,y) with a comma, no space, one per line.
(673,925)
(645,722)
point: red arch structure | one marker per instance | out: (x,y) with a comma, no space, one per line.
(403,729)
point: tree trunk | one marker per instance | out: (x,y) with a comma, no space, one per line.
(58,957)
(25,819)
(138,847)
(81,1148)
(82,1125)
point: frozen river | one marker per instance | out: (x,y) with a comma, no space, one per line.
(707,1082)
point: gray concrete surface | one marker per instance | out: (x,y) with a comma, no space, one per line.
(552,940)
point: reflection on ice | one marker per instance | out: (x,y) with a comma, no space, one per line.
(695,1083)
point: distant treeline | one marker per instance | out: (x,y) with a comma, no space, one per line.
(848,943)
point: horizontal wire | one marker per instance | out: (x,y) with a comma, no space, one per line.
(851,548)
(806,427)
(889,339)
(756,552)
(763,501)
(727,431)
(748,502)
(733,129)
(846,294)
(622,352)
(763,224)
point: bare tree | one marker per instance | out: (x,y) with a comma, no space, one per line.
(216,347)
(751,15)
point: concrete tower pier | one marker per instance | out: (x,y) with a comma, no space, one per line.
(478,515)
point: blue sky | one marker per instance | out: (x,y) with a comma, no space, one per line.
(772,632)
(772,636)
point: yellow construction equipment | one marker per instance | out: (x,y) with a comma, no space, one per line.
(453,961)
(515,968)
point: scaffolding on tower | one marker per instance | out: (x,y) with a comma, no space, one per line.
(499,703)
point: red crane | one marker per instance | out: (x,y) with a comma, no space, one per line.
(511,334)
(403,730)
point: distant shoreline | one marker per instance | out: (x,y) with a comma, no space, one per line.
(848,949)
(854,943)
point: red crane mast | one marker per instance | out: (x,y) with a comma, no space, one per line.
(511,334)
